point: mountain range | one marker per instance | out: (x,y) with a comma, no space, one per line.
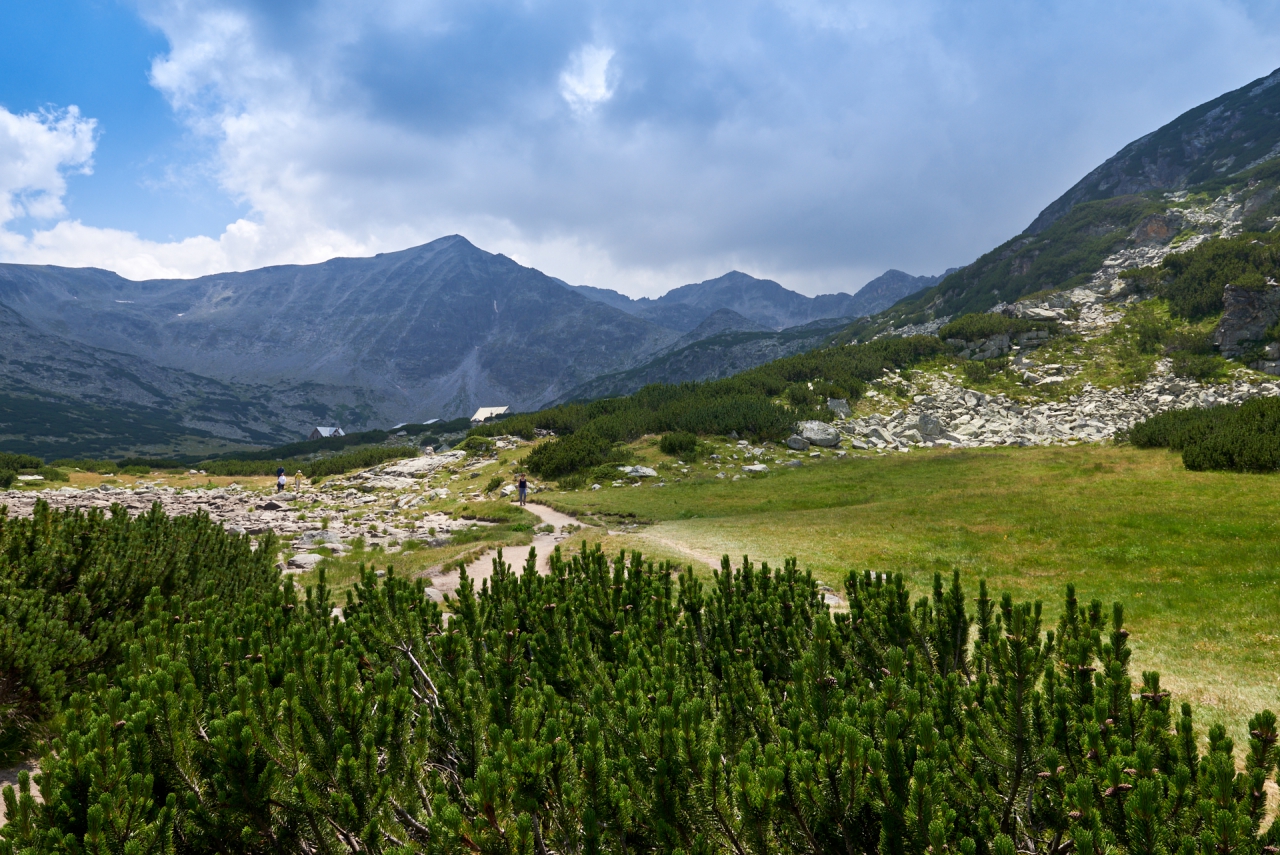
(761,301)
(262,356)
(92,363)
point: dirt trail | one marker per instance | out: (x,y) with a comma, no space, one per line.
(482,568)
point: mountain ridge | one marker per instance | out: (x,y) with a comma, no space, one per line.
(1201,144)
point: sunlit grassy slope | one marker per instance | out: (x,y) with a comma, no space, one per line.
(1194,557)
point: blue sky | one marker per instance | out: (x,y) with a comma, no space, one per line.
(632,145)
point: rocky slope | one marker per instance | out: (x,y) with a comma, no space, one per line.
(711,358)
(944,413)
(1223,137)
(1212,171)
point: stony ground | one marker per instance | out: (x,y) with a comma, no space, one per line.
(418,499)
(944,413)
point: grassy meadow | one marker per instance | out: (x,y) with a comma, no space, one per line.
(1194,557)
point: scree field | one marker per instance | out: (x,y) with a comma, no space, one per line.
(1193,557)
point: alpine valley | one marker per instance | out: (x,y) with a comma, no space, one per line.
(92,363)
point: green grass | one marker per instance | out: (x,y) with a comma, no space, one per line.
(1193,556)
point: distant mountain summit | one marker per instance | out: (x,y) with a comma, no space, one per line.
(761,301)
(888,288)
(435,330)
(1222,137)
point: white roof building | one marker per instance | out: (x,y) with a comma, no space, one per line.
(488,413)
(325,432)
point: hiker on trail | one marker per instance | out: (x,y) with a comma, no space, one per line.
(280,480)
(522,486)
(297,481)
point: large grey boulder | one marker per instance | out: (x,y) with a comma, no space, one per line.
(755,467)
(840,407)
(1246,317)
(929,425)
(313,538)
(305,561)
(638,471)
(797,443)
(818,433)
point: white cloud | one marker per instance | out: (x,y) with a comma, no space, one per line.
(36,152)
(585,83)
(811,141)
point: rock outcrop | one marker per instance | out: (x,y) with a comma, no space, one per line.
(1246,316)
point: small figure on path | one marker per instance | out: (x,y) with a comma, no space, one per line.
(297,481)
(522,487)
(280,480)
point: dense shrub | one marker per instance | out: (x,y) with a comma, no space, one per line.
(20,462)
(1237,438)
(1198,366)
(7,477)
(980,371)
(72,584)
(568,454)
(613,706)
(679,444)
(979,325)
(100,467)
(477,444)
(1193,281)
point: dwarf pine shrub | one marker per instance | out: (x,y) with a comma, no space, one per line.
(1230,437)
(616,705)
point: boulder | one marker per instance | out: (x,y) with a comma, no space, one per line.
(929,425)
(819,433)
(418,467)
(755,467)
(797,443)
(305,561)
(508,490)
(839,406)
(313,538)
(638,471)
(1246,317)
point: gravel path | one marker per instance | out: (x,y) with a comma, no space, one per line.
(543,543)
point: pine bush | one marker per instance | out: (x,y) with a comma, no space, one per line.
(72,584)
(1231,437)
(616,705)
